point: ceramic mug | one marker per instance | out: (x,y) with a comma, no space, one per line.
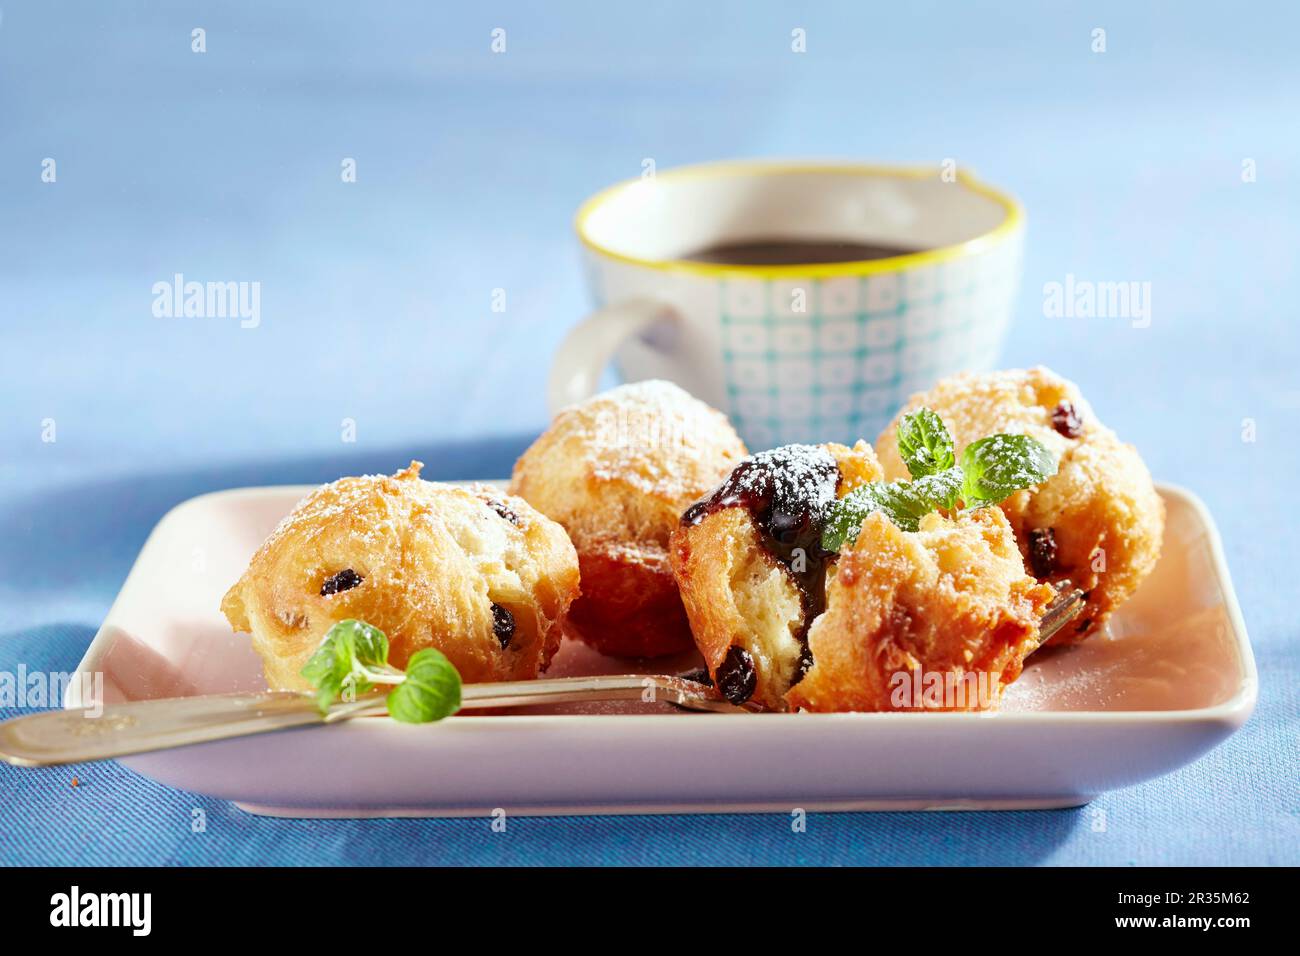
(794,353)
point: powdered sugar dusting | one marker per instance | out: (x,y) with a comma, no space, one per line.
(652,436)
(783,483)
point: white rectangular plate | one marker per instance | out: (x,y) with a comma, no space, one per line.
(1173,677)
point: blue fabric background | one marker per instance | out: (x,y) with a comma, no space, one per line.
(376,307)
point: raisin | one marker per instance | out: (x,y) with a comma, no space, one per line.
(345,580)
(1042,552)
(504,510)
(1066,420)
(503,625)
(736,676)
(698,676)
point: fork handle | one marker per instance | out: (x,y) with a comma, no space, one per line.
(119,730)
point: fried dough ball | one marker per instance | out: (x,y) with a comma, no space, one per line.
(750,567)
(940,618)
(1098,523)
(477,574)
(617,471)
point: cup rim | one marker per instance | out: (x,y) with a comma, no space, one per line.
(1012,222)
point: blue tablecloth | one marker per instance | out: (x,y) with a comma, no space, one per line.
(1171,158)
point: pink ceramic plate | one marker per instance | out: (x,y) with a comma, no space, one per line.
(1173,678)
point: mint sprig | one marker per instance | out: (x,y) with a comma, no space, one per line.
(924,443)
(991,469)
(942,490)
(901,501)
(353,659)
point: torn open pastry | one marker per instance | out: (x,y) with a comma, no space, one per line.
(750,565)
(789,616)
(1097,524)
(940,618)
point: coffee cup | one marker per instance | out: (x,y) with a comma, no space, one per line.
(806,300)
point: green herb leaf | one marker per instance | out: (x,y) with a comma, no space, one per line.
(924,443)
(350,651)
(354,657)
(431,690)
(942,490)
(1001,465)
(899,500)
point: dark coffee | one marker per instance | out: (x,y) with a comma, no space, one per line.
(792,252)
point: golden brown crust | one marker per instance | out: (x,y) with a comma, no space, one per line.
(858,466)
(949,600)
(630,606)
(617,471)
(1102,507)
(737,594)
(432,558)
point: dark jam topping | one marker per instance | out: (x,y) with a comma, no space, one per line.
(1066,420)
(345,580)
(736,676)
(503,624)
(1042,552)
(504,510)
(788,492)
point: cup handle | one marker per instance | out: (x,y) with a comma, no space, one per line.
(589,346)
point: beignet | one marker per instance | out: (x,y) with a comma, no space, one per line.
(617,471)
(1097,523)
(479,575)
(783,623)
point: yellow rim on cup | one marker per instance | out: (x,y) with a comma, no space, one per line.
(1011,223)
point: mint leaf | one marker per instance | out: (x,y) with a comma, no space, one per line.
(904,502)
(899,500)
(943,489)
(924,443)
(347,657)
(354,656)
(430,692)
(1000,465)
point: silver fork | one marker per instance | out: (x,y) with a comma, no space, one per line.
(119,730)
